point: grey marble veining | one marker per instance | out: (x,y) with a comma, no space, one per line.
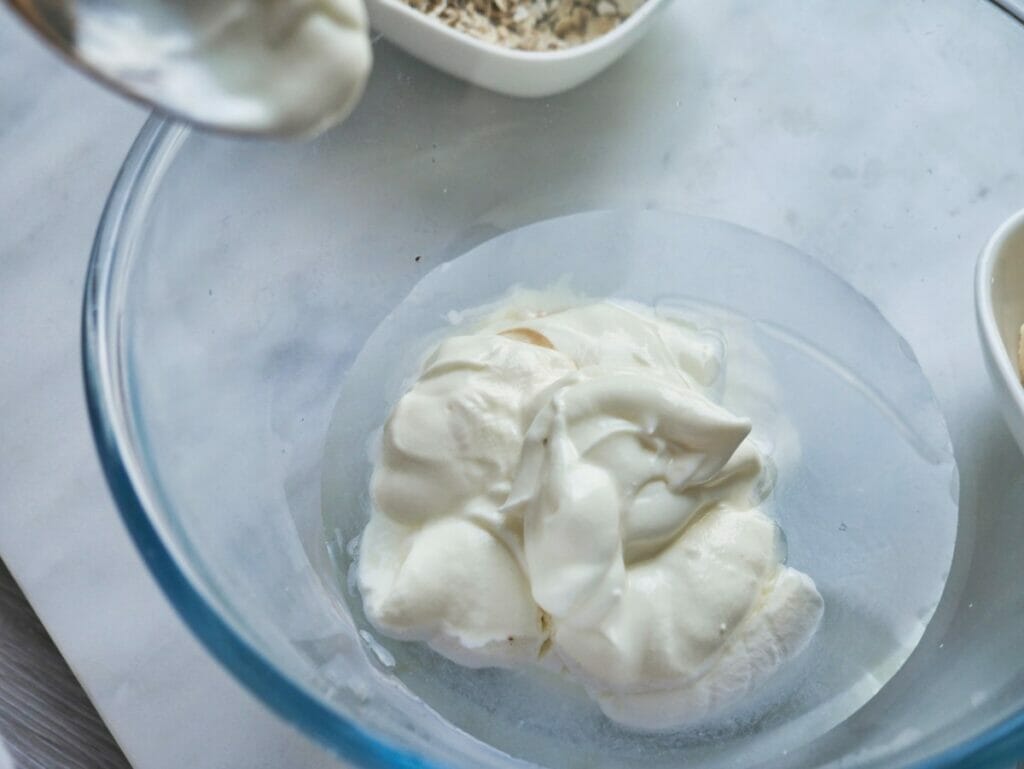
(896,197)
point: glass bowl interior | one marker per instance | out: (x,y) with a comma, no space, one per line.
(232,286)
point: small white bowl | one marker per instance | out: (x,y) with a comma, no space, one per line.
(491,66)
(999,299)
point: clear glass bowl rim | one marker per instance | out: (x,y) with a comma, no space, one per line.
(158,140)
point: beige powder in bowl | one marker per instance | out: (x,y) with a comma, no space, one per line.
(530,25)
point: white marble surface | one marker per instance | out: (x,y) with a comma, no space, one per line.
(62,139)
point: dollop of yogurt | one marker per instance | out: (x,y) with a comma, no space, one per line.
(281,67)
(558,488)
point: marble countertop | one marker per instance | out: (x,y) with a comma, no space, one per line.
(62,139)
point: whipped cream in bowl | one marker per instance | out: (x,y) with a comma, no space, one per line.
(629,485)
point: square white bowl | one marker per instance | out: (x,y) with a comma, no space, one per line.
(999,300)
(501,69)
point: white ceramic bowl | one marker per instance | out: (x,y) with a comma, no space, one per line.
(999,297)
(507,71)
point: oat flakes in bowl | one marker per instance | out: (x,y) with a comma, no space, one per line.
(529,48)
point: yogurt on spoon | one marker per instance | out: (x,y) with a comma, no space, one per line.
(264,67)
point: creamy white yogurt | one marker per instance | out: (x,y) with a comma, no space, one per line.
(557,488)
(288,67)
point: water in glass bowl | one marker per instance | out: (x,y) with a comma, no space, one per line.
(866,486)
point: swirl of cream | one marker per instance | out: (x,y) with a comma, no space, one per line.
(560,488)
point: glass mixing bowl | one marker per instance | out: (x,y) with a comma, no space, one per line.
(232,285)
